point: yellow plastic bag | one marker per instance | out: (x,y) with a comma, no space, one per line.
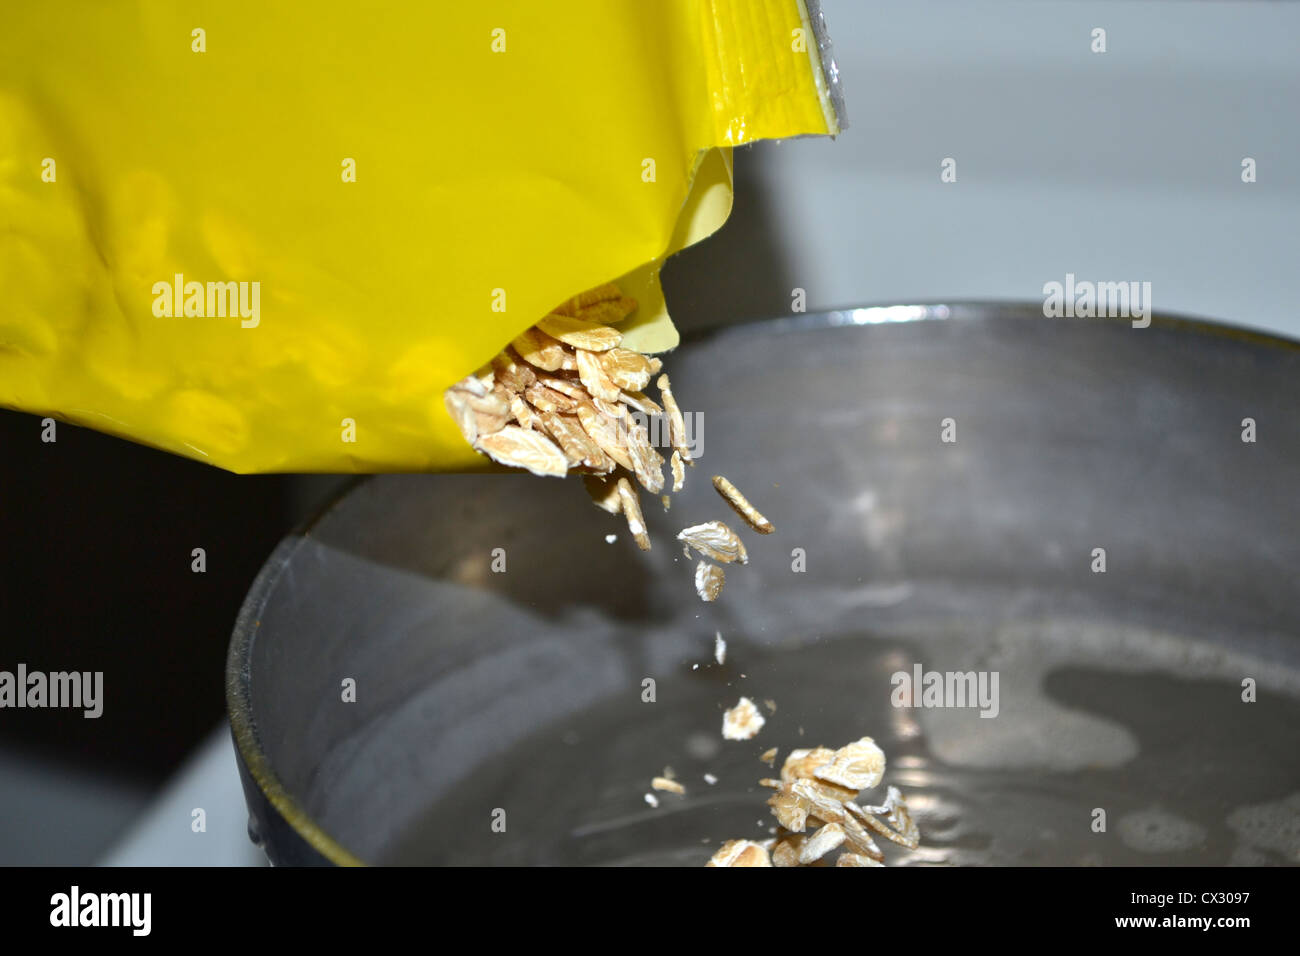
(269,236)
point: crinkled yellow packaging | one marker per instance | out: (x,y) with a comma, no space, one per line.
(268,236)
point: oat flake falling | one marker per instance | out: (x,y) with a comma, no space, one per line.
(742,721)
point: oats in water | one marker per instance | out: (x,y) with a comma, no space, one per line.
(825,839)
(741,853)
(817,811)
(859,766)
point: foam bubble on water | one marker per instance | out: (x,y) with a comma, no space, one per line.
(1270,826)
(1154,830)
(1032,730)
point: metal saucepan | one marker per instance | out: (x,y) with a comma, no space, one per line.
(1120,691)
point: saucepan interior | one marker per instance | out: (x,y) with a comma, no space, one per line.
(1065,509)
